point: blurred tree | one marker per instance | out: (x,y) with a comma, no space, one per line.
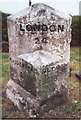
(4,28)
(76,31)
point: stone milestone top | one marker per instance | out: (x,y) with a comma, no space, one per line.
(39,27)
(35,9)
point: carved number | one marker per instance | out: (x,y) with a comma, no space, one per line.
(37,41)
(44,40)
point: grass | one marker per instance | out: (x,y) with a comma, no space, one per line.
(5,68)
(75,107)
(74,84)
(75,62)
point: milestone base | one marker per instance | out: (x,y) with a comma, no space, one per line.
(33,105)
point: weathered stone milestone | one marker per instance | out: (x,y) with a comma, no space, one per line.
(39,48)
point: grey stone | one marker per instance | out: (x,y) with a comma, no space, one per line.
(39,48)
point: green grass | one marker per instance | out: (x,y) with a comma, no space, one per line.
(76,107)
(75,58)
(5,68)
(0,65)
(74,83)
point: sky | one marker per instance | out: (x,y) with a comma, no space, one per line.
(15,6)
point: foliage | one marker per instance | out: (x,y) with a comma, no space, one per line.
(76,20)
(4,27)
(76,31)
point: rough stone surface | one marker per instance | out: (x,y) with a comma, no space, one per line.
(39,47)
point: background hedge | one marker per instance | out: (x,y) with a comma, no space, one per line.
(76,31)
(4,28)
